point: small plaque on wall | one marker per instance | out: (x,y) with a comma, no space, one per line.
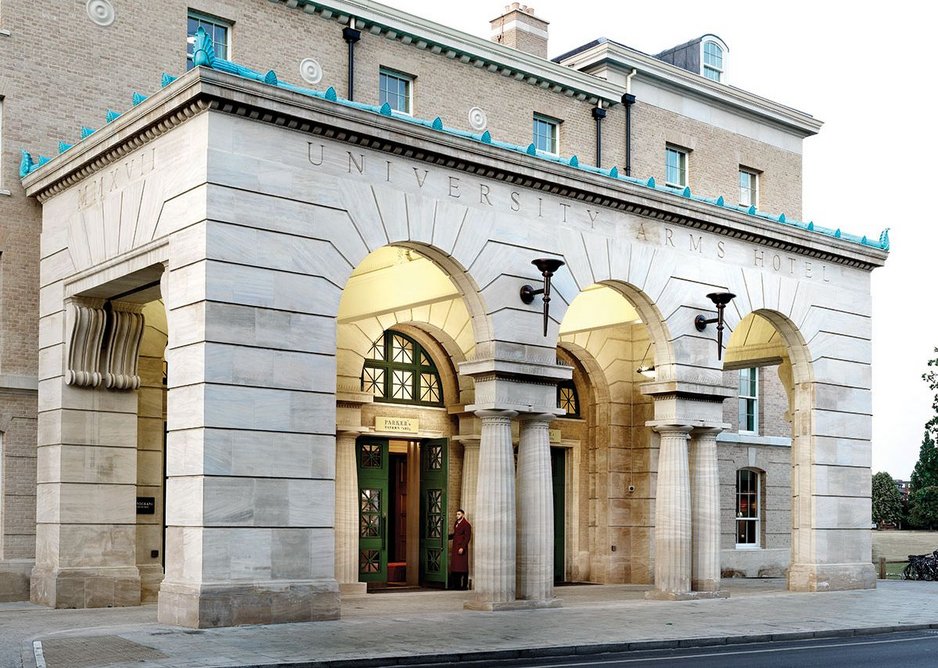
(146,505)
(396,425)
(554,435)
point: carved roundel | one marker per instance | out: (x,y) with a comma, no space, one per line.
(100,11)
(311,71)
(477,119)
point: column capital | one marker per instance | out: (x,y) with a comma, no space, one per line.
(669,427)
(495,413)
(468,441)
(709,430)
(545,418)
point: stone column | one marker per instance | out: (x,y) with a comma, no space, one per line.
(494,527)
(470,482)
(346,515)
(705,503)
(672,515)
(535,569)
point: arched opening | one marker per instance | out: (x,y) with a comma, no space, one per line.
(403,326)
(615,340)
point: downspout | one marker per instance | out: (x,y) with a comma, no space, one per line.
(599,114)
(351,35)
(628,100)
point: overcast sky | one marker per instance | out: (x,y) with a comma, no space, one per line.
(872,166)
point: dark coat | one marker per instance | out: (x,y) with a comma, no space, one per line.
(462,534)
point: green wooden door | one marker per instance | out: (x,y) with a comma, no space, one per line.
(557,467)
(433,513)
(372,509)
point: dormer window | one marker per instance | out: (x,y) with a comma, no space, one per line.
(712,61)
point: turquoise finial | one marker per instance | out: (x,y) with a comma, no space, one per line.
(863,240)
(111,115)
(532,149)
(331,94)
(385,109)
(686,191)
(614,172)
(40,162)
(203,51)
(721,201)
(86,132)
(486,137)
(811,226)
(26,163)
(437,123)
(270,78)
(166,80)
(138,98)
(574,161)
(752,210)
(837,233)
(63,147)
(781,218)
(884,239)
(651,182)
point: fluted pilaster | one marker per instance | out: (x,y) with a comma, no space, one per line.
(494,527)
(346,512)
(470,483)
(705,503)
(535,566)
(673,513)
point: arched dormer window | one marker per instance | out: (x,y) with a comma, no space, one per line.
(712,60)
(398,370)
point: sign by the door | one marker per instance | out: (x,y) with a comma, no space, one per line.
(396,425)
(146,505)
(554,435)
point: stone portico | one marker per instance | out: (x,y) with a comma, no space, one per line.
(243,211)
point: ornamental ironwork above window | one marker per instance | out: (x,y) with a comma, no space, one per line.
(567,399)
(398,370)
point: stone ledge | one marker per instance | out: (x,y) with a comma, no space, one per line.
(85,587)
(519,604)
(655,595)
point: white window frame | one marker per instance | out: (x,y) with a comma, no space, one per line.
(2,191)
(683,165)
(753,188)
(745,399)
(208,19)
(706,68)
(408,79)
(755,520)
(554,125)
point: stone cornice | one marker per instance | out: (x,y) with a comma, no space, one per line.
(450,43)
(203,89)
(688,83)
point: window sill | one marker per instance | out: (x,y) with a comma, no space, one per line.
(5,33)
(749,547)
(5,193)
(753,439)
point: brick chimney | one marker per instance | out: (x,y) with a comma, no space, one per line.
(520,29)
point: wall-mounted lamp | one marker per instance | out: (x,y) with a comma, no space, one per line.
(646,369)
(720,300)
(547,266)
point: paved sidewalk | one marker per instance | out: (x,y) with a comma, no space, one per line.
(401,626)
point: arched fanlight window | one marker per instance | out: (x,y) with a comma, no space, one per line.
(567,399)
(398,370)
(713,61)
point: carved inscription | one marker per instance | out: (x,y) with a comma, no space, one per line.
(93,190)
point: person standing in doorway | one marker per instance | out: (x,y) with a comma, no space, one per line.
(459,560)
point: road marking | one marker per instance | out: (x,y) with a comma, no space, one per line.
(752,651)
(37,652)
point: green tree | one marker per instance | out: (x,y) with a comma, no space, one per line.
(925,473)
(887,502)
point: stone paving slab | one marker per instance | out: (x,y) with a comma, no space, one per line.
(397,628)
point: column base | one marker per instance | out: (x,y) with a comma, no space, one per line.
(831,577)
(151,575)
(656,595)
(351,588)
(210,606)
(85,587)
(705,585)
(492,606)
(14,579)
